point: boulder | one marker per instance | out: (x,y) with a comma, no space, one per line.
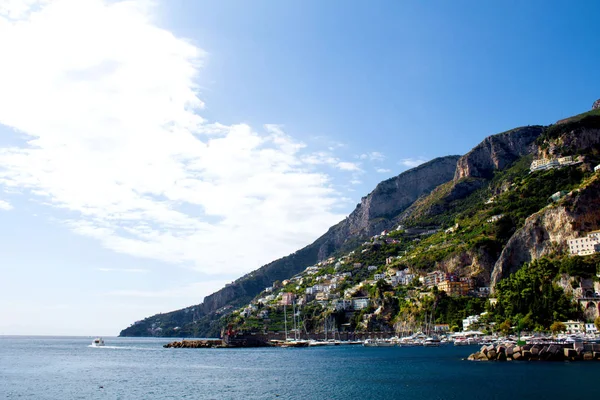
(501,357)
(597,355)
(570,353)
(535,351)
(491,354)
(509,352)
(588,356)
(517,355)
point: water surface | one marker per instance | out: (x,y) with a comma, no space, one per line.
(134,368)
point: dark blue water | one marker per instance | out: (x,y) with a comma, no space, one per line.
(66,368)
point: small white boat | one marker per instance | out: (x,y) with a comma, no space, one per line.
(98,342)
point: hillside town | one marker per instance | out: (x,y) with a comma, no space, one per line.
(340,286)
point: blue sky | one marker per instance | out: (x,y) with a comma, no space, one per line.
(152,151)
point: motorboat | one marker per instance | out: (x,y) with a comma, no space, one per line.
(98,342)
(431,342)
(378,343)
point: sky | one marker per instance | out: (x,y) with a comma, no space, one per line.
(153,151)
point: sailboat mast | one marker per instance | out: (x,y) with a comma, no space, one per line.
(285,321)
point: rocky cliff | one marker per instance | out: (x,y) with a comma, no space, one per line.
(381,209)
(496,152)
(548,230)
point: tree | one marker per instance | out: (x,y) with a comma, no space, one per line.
(505,327)
(557,327)
(597,322)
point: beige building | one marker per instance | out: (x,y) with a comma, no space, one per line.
(451,288)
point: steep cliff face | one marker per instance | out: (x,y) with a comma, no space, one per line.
(381,209)
(475,263)
(543,233)
(496,152)
(548,230)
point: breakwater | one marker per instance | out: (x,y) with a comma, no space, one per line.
(195,344)
(535,352)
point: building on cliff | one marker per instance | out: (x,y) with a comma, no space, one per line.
(549,163)
(586,245)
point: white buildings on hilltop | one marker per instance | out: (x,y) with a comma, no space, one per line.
(549,163)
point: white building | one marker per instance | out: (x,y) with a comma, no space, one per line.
(543,163)
(360,303)
(586,245)
(470,320)
(597,168)
(371,268)
(495,218)
(574,327)
(591,328)
(379,276)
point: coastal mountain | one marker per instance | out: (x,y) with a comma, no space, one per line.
(377,211)
(483,216)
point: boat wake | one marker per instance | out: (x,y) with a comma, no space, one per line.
(125,348)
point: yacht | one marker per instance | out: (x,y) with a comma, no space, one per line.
(98,342)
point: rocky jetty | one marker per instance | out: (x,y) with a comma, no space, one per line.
(538,352)
(195,344)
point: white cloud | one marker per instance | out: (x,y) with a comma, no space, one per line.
(412,162)
(133,270)
(372,156)
(348,166)
(383,170)
(109,104)
(5,205)
(355,182)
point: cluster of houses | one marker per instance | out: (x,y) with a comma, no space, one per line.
(454,285)
(549,163)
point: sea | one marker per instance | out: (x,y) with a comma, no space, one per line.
(140,368)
